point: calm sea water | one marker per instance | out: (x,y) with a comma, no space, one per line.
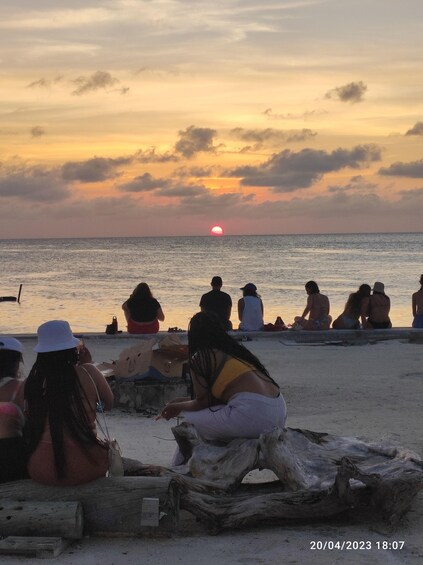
(86,280)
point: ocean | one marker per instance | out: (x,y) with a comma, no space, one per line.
(85,281)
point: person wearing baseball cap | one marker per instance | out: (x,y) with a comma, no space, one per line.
(250,309)
(12,447)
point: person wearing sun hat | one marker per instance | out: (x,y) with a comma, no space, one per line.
(61,397)
(12,447)
(378,308)
(250,309)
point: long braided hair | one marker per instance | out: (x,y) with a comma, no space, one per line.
(206,335)
(54,394)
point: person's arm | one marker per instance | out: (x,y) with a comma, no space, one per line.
(308,307)
(240,309)
(262,307)
(159,315)
(176,406)
(414,305)
(104,391)
(364,311)
(126,311)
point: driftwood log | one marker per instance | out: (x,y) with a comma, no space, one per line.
(62,519)
(318,475)
(110,505)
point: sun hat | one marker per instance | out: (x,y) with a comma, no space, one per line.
(379,287)
(55,336)
(10,343)
(249,286)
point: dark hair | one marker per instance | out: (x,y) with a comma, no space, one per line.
(9,363)
(421,280)
(216,281)
(141,291)
(353,305)
(54,393)
(206,334)
(249,291)
(312,287)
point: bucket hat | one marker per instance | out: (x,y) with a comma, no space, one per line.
(10,343)
(379,287)
(55,336)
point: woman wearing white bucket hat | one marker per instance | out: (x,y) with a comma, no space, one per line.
(12,447)
(61,400)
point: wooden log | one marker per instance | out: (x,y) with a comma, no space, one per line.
(61,519)
(40,547)
(110,505)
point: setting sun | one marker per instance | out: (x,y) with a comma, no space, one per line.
(216,230)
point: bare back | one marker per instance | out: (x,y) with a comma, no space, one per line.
(319,306)
(418,303)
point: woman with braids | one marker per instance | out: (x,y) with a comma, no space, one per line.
(61,398)
(234,393)
(12,447)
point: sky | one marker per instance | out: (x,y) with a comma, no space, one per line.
(166,117)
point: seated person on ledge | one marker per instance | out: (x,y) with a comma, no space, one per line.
(218,302)
(318,309)
(417,304)
(250,309)
(142,311)
(355,308)
(235,397)
(377,307)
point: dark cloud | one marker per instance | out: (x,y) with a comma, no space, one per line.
(352,92)
(41,83)
(194,140)
(96,169)
(32,183)
(414,169)
(288,171)
(198,172)
(269,135)
(181,191)
(37,131)
(150,156)
(143,183)
(356,184)
(417,129)
(98,80)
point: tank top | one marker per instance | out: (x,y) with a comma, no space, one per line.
(252,317)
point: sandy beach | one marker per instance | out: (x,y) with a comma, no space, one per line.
(370,390)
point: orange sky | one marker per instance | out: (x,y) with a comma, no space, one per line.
(134,117)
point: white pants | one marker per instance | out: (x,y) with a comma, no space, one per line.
(247,415)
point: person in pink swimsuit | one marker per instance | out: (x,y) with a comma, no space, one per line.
(61,398)
(12,447)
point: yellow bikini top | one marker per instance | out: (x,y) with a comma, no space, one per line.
(232,369)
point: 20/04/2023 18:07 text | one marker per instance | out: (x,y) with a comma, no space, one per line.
(350,545)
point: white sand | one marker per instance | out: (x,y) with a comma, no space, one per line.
(372,391)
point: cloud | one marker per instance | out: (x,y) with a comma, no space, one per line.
(269,135)
(150,156)
(45,83)
(37,131)
(288,171)
(413,169)
(357,184)
(198,172)
(98,80)
(143,183)
(36,184)
(303,116)
(194,140)
(417,129)
(96,169)
(352,92)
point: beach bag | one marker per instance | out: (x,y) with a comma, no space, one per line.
(112,328)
